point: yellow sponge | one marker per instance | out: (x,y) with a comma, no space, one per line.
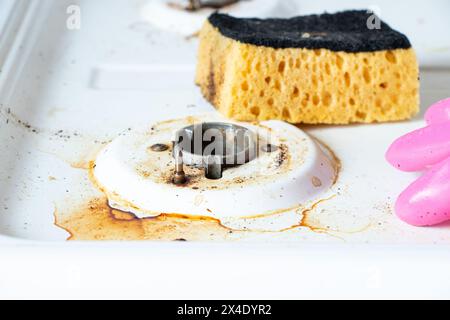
(249,82)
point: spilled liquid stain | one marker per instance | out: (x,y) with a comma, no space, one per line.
(96,220)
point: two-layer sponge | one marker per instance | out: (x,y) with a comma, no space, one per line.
(329,68)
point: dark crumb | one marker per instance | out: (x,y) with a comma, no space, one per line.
(180,240)
(195,5)
(282,156)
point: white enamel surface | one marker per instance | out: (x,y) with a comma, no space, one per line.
(266,186)
(108,77)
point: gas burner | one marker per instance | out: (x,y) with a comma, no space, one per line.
(215,146)
(208,166)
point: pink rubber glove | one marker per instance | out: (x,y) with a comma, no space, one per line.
(426,202)
(420,149)
(438,112)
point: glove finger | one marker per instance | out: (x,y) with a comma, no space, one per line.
(438,112)
(420,149)
(426,201)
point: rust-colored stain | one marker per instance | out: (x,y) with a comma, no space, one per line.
(96,220)
(309,220)
(316,182)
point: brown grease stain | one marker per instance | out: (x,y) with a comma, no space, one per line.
(307,222)
(272,213)
(96,220)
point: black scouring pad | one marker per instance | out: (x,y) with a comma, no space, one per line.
(343,31)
